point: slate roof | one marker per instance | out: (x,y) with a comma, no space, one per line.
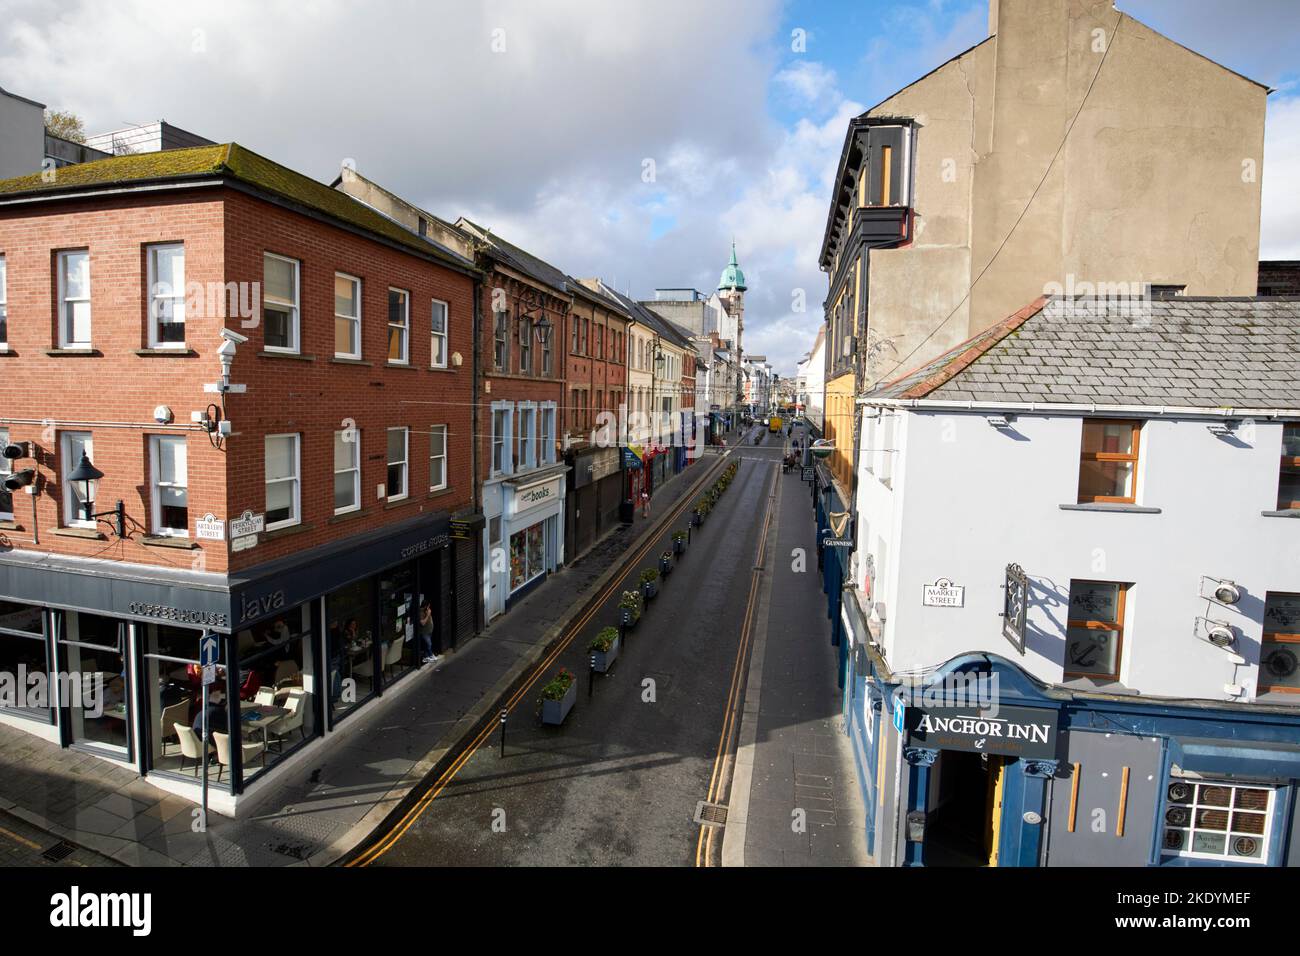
(226,161)
(519,259)
(1187,352)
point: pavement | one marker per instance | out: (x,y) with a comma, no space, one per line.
(794,798)
(323,809)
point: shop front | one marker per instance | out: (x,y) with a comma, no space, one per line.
(302,642)
(525,534)
(997,769)
(591,506)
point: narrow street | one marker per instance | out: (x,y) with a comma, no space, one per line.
(619,782)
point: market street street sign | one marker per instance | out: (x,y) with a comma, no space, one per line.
(943,593)
(1013,732)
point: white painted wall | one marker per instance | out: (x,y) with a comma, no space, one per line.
(972,498)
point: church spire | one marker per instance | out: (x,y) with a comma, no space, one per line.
(732,276)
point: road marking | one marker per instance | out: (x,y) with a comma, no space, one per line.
(19,839)
(389,840)
(730,725)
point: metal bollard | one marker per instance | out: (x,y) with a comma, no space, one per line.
(504,714)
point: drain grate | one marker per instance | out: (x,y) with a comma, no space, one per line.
(710,814)
(59,852)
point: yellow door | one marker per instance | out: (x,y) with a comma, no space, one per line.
(994,829)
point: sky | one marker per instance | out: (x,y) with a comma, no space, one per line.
(630,140)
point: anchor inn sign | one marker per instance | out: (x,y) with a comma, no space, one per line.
(1011,731)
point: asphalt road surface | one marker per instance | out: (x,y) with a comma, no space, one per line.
(618,782)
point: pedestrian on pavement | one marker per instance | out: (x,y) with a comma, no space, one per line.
(428,635)
(645,504)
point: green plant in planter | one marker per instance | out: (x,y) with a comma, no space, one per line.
(558,685)
(603,640)
(630,606)
(649,575)
(679,535)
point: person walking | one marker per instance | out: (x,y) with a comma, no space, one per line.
(428,635)
(645,504)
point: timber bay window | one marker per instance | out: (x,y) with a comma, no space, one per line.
(438,335)
(1207,819)
(72,446)
(438,457)
(283,490)
(167,296)
(399,326)
(1094,634)
(1288,489)
(347,316)
(347,471)
(74,300)
(1279,652)
(501,341)
(1108,462)
(398,447)
(280,313)
(501,461)
(170,491)
(4,308)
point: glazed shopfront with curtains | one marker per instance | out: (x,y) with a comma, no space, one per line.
(303,643)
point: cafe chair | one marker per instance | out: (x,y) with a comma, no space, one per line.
(223,751)
(191,746)
(367,667)
(296,704)
(178,713)
(287,673)
(265,697)
(393,655)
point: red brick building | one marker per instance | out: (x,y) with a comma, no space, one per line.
(303,515)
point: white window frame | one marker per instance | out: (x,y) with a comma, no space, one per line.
(154,297)
(71,513)
(295,313)
(355,469)
(404,325)
(503,439)
(156,485)
(296,478)
(404,461)
(434,431)
(527,456)
(546,432)
(1266,837)
(4,304)
(436,337)
(355,320)
(6,469)
(64,341)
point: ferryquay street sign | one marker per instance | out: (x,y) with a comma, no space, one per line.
(247,524)
(1011,731)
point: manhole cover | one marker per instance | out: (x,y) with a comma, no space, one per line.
(60,851)
(710,814)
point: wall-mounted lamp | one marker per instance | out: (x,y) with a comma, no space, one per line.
(84,478)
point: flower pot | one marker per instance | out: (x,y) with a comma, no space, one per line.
(605,659)
(554,711)
(650,589)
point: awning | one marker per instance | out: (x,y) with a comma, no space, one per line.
(1257,760)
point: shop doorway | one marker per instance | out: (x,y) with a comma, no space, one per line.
(965,809)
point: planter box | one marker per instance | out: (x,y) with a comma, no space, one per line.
(606,659)
(665,566)
(554,711)
(650,589)
(626,617)
(679,547)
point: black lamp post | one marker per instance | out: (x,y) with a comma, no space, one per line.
(84,478)
(543,327)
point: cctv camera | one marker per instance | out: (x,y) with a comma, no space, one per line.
(235,337)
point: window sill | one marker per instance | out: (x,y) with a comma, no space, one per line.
(341,360)
(6,350)
(296,356)
(399,503)
(440,493)
(286,531)
(1289,513)
(348,516)
(164,541)
(1109,506)
(169,353)
(9,524)
(89,533)
(441,368)
(406,365)
(74,353)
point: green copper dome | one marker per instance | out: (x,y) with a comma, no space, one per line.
(732,277)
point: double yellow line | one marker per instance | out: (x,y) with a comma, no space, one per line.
(730,722)
(387,842)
